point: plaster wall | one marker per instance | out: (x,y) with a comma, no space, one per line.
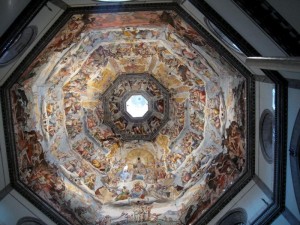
(293,108)
(200,18)
(254,202)
(281,220)
(13,207)
(250,199)
(265,102)
(246,27)
(289,9)
(43,20)
(9,11)
(290,75)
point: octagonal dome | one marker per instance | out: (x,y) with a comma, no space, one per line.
(82,152)
(145,92)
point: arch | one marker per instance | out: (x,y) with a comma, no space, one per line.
(236,216)
(30,221)
(19,45)
(221,36)
(266,135)
(145,156)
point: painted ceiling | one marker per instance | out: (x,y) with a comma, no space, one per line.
(69,139)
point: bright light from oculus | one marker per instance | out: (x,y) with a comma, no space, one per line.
(137,106)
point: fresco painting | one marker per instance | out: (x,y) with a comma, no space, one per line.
(78,164)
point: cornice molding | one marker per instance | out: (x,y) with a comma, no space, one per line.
(5,191)
(271,22)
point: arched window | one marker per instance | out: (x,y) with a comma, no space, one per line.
(21,43)
(30,221)
(236,216)
(266,135)
(221,36)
